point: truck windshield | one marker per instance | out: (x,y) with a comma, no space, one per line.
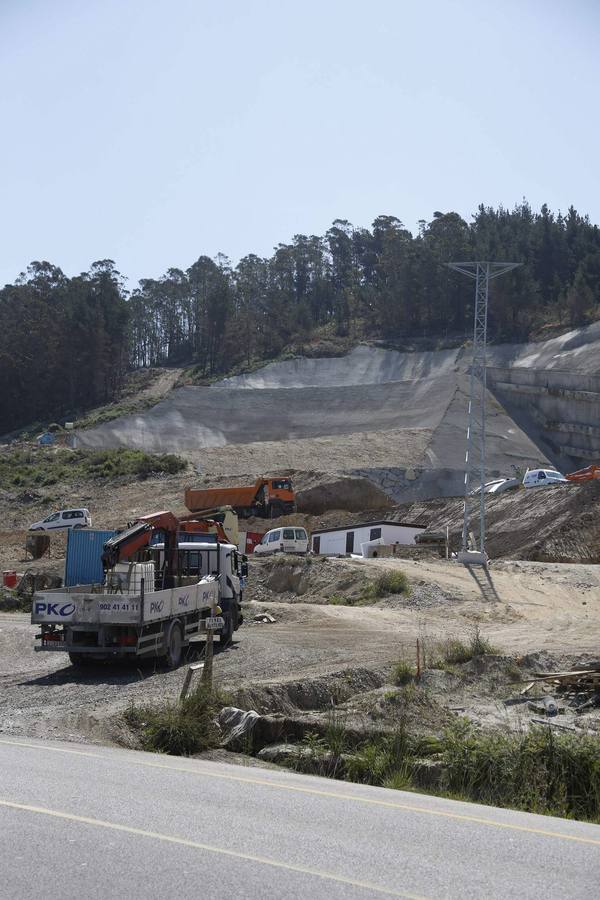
(282,484)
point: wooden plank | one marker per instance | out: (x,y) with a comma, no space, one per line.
(563,674)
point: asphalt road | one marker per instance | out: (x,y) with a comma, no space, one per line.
(95,822)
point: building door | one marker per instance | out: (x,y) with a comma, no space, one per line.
(317,544)
(349,542)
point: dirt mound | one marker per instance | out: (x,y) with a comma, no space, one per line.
(350,493)
(558,524)
(303,579)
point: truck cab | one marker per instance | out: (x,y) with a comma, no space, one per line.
(278,496)
(199,559)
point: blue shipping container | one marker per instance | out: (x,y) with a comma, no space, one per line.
(84,556)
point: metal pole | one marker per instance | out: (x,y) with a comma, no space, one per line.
(475,469)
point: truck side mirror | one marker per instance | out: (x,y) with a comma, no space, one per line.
(244,570)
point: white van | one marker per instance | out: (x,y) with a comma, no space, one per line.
(65,518)
(284,540)
(535,478)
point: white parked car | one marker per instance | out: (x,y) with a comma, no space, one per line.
(283,540)
(65,518)
(535,478)
(498,486)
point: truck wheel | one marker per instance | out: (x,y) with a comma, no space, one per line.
(174,645)
(78,659)
(226,632)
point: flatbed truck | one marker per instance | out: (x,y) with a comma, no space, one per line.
(154,607)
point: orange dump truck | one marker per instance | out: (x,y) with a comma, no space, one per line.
(268,498)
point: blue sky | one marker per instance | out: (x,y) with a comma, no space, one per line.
(153,132)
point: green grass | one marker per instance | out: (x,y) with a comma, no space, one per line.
(179,729)
(290,559)
(114,411)
(383,586)
(391,583)
(454,651)
(539,772)
(403,673)
(41,467)
(480,646)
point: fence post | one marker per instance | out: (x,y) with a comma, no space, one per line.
(207,672)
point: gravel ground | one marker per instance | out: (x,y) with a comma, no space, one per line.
(533,606)
(42,695)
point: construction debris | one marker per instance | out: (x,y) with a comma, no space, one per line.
(572,682)
(547,706)
(35,580)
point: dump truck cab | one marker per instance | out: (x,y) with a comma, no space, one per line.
(278,495)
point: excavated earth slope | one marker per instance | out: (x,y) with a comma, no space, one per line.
(398,419)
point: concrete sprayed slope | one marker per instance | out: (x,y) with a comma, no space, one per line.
(363,365)
(197,417)
(417,399)
(575,351)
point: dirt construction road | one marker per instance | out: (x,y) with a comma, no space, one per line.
(523,608)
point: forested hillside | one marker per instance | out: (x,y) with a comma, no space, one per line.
(67,343)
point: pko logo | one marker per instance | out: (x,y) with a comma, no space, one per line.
(54,609)
(157,606)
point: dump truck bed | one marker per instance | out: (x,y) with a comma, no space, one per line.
(199,499)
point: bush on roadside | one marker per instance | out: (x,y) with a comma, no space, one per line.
(179,729)
(538,772)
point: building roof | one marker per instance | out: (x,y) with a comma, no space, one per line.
(367,525)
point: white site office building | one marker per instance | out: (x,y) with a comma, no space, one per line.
(348,539)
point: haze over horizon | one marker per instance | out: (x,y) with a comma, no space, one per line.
(152,133)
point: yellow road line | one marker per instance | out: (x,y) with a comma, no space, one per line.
(318,792)
(209,848)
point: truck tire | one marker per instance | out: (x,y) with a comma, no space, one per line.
(78,659)
(226,632)
(174,645)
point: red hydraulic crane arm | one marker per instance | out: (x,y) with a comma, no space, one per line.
(123,545)
(587,474)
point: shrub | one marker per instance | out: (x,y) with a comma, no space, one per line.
(403,672)
(382,759)
(455,651)
(52,466)
(391,583)
(539,771)
(339,600)
(480,646)
(179,729)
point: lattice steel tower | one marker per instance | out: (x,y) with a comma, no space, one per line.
(482,272)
